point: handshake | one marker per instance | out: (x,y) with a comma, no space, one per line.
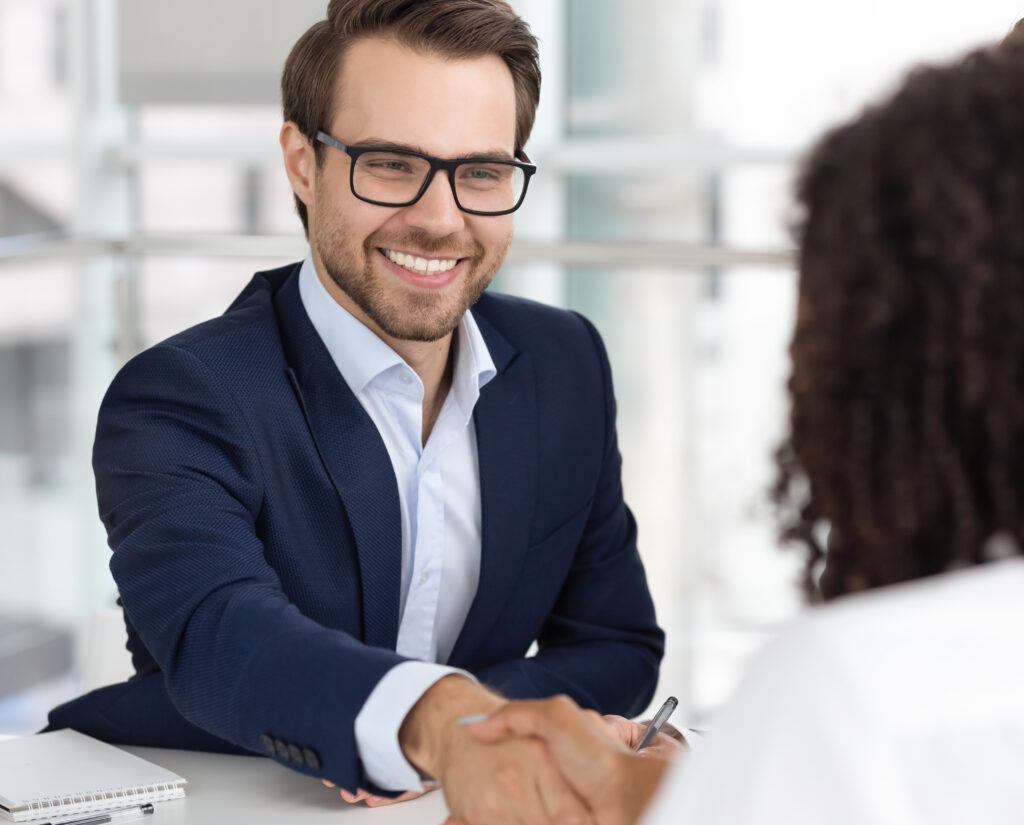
(529,763)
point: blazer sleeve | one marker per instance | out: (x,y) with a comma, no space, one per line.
(180,489)
(601,644)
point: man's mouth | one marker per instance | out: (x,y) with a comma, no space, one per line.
(420,265)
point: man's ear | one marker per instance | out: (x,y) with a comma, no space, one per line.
(299,162)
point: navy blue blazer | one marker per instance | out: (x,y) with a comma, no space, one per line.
(253,514)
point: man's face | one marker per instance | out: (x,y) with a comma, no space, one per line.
(445,108)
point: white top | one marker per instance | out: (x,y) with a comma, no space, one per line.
(439,495)
(903,706)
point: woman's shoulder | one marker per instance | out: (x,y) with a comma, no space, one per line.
(912,652)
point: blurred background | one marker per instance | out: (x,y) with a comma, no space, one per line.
(141,186)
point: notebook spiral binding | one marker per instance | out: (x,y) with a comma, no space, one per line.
(103,799)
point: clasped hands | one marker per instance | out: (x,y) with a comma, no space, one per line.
(529,763)
(583,766)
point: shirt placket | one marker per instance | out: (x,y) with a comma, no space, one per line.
(418,630)
(421,608)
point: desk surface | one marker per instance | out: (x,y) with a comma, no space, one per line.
(251,790)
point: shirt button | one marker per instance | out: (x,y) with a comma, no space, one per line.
(424,578)
(406,379)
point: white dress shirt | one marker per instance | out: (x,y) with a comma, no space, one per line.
(439,495)
(903,706)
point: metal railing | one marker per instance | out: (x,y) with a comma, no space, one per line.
(613,254)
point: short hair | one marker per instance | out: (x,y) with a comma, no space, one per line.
(906,437)
(450,28)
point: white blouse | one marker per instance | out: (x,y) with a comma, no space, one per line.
(902,706)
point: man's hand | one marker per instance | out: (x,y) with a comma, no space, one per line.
(613,783)
(370,799)
(630,734)
(512,782)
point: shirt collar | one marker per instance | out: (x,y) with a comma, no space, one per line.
(361,357)
(474,366)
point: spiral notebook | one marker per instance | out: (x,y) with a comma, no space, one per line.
(68,773)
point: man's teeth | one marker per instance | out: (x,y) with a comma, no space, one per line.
(421,266)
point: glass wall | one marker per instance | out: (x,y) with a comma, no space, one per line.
(667,142)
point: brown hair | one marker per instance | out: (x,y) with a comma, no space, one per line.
(906,440)
(450,28)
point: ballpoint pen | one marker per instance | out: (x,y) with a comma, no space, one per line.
(122,815)
(660,718)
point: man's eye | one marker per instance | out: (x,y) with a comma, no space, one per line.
(389,166)
(481,174)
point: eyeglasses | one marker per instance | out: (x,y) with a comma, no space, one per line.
(399,177)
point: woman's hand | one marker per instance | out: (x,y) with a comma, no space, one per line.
(629,734)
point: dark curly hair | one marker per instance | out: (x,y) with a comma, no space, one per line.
(906,447)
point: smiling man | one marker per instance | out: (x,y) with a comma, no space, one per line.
(342,512)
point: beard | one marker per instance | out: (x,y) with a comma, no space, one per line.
(401,312)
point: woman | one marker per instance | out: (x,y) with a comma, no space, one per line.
(906,448)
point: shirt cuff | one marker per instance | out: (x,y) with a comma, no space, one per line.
(381,717)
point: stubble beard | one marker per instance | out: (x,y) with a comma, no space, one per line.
(401,313)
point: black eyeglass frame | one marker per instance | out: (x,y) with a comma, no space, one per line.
(436,164)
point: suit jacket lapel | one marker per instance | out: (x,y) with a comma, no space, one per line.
(356,460)
(506,431)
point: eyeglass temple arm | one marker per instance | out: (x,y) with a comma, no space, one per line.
(323,137)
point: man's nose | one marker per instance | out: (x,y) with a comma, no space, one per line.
(436,212)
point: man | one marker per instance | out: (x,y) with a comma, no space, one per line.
(342,512)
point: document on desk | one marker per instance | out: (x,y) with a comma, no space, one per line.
(64,773)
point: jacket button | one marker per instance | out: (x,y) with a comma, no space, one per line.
(295,754)
(312,760)
(268,744)
(281,747)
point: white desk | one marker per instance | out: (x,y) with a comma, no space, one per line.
(250,790)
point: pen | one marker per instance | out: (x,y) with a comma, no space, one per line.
(108,816)
(660,718)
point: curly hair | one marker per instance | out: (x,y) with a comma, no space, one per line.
(906,442)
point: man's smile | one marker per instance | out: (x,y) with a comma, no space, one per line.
(418,264)
(423,272)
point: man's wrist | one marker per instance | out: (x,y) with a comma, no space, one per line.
(428,728)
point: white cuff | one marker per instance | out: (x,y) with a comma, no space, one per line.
(381,717)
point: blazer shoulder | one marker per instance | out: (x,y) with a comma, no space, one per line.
(234,348)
